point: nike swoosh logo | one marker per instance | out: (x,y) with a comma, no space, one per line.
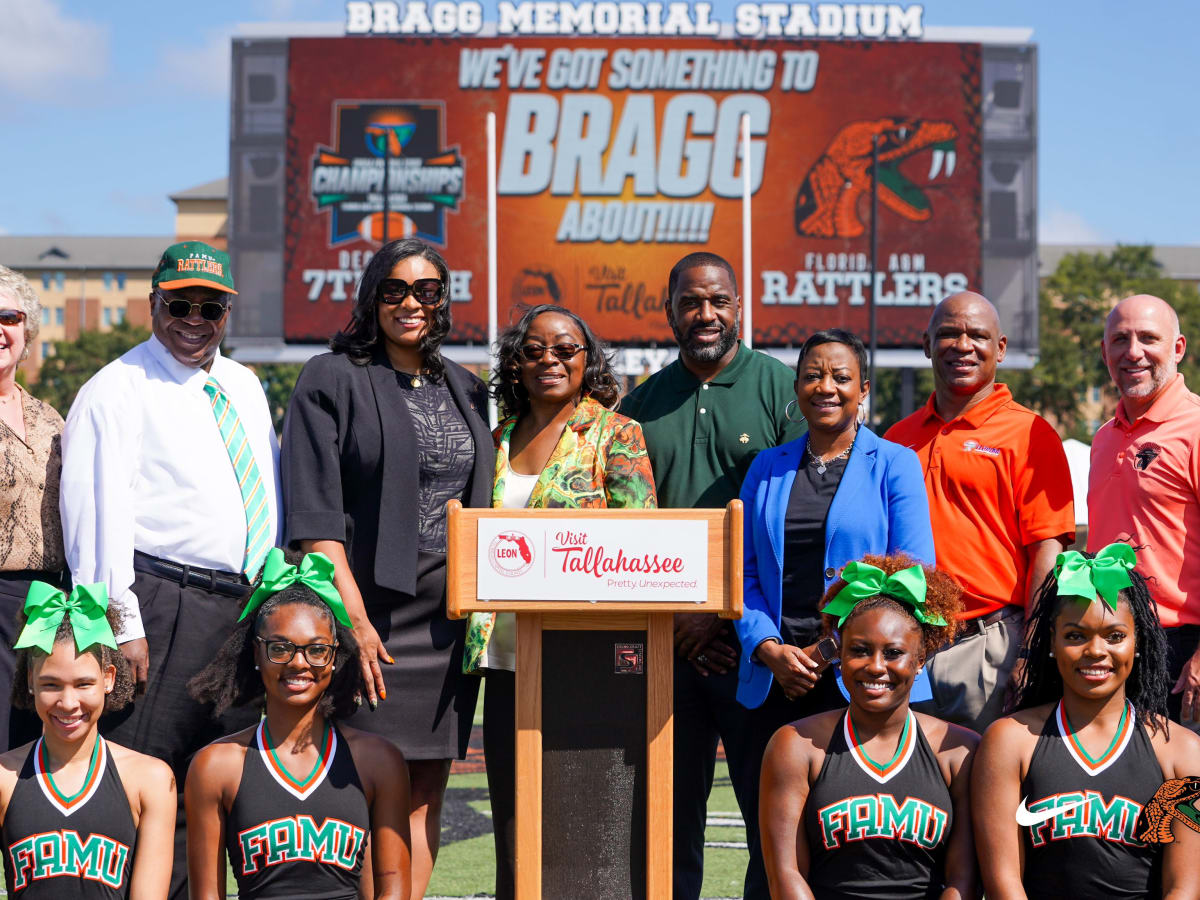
(1027,818)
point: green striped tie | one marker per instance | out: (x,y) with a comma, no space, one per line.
(259,537)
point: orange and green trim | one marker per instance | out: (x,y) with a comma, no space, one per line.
(68,803)
(1090,764)
(881,771)
(301,787)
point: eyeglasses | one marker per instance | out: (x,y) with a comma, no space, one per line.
(280,652)
(427,291)
(210,310)
(564,352)
(12,316)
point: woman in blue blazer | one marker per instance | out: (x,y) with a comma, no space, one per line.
(811,506)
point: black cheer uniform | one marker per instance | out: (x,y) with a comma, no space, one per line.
(1089,847)
(878,830)
(68,848)
(298,840)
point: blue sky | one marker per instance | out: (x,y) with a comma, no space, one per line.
(111,107)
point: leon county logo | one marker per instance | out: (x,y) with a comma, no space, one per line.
(422,179)
(511,553)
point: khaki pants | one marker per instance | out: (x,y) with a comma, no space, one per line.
(970,677)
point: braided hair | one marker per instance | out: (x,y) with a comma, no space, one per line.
(1149,680)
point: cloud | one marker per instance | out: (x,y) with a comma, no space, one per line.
(44,52)
(1061,226)
(202,68)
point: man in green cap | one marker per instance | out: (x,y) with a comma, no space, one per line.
(169,496)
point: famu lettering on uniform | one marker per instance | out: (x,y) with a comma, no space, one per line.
(880,816)
(1086,815)
(297,838)
(196,264)
(54,854)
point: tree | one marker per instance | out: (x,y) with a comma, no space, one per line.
(74,362)
(278,381)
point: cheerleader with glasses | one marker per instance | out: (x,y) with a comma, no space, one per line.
(82,817)
(871,801)
(295,801)
(1059,785)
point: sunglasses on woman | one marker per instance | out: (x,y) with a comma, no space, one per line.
(564,352)
(210,310)
(12,316)
(281,652)
(427,291)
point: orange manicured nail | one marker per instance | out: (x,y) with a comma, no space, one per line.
(383,695)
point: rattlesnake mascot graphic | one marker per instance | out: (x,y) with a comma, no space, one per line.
(1178,800)
(827,202)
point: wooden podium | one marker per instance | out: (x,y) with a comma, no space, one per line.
(540,624)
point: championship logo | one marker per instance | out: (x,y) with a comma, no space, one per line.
(422,178)
(511,554)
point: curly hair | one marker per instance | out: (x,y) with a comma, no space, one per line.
(231,679)
(599,383)
(1149,680)
(358,340)
(837,336)
(122,692)
(18,286)
(943,597)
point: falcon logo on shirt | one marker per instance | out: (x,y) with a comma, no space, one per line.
(1147,455)
(53,854)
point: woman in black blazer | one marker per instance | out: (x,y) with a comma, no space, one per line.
(380,433)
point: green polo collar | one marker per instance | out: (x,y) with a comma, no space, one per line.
(683,381)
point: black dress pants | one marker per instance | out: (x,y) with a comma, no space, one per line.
(185,627)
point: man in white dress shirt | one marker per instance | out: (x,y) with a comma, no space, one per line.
(170,497)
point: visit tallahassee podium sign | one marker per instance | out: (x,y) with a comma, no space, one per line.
(636,560)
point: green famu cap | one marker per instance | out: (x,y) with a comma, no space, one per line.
(193,264)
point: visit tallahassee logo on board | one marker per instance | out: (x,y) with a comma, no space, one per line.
(423,179)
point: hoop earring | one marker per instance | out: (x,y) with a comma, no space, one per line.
(787,412)
(861,416)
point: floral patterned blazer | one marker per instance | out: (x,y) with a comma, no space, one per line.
(599,462)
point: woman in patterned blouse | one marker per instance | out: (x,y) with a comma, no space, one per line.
(31,544)
(558,445)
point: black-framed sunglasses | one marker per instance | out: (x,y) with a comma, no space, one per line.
(210,310)
(12,316)
(281,652)
(564,352)
(427,291)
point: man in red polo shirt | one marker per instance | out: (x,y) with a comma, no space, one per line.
(999,500)
(1144,485)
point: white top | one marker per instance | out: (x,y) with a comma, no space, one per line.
(501,649)
(144,467)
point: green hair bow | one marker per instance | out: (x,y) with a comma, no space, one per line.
(864,581)
(1107,574)
(314,572)
(45,606)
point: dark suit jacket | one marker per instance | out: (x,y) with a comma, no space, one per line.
(349,463)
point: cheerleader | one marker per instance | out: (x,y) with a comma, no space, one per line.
(872,801)
(1059,784)
(294,801)
(83,818)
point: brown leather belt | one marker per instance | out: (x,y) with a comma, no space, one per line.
(982,623)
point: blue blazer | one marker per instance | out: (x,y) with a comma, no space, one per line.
(880,507)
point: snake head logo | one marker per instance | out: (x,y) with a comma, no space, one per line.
(1177,800)
(827,202)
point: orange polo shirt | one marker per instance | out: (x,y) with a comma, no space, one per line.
(998,481)
(1143,488)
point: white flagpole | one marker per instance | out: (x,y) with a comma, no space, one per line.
(747,283)
(491,248)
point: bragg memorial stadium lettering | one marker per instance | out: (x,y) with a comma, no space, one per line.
(53,854)
(880,816)
(298,839)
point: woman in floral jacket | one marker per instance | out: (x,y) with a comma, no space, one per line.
(559,446)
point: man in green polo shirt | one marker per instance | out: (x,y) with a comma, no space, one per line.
(705,416)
